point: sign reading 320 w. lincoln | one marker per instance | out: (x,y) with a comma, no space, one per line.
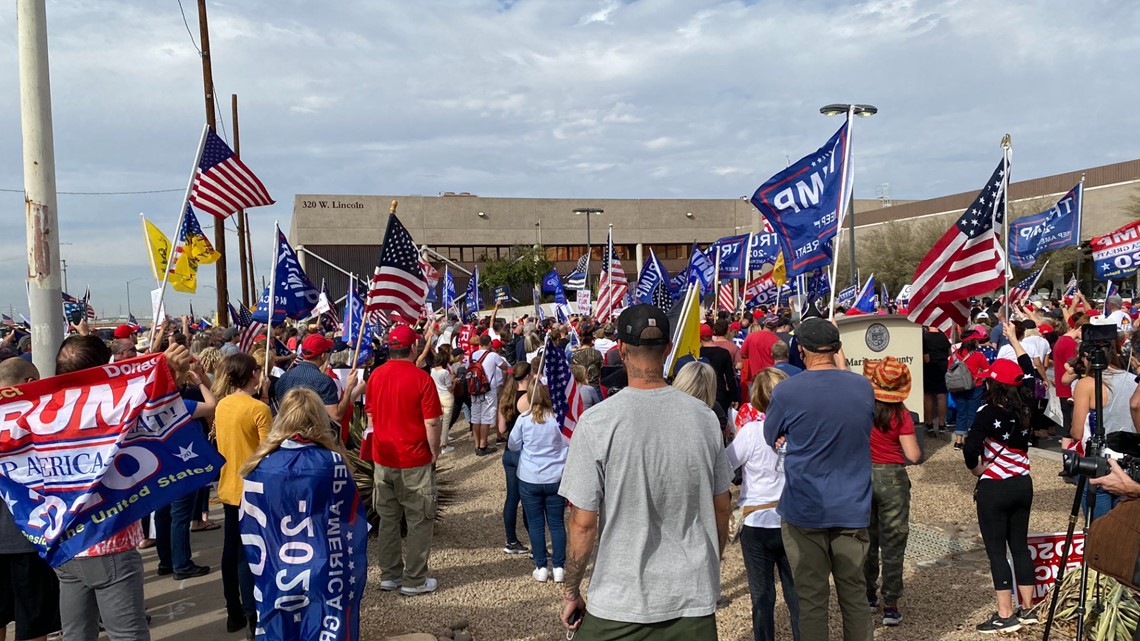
(85,454)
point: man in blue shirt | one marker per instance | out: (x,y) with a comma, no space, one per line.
(309,372)
(826,505)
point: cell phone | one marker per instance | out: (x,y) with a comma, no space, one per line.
(575,617)
(75,317)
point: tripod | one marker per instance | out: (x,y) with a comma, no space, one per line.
(1098,362)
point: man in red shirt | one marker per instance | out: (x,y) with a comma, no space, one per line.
(405,411)
(757,351)
(1064,349)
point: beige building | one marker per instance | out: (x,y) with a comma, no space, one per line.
(346,231)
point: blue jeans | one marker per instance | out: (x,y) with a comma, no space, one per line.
(967,404)
(172,533)
(1104,502)
(511,505)
(764,549)
(543,508)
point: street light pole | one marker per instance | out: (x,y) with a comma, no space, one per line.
(863,111)
(129,313)
(588,211)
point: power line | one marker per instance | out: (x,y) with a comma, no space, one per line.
(188,31)
(102,193)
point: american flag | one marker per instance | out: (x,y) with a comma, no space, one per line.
(564,393)
(577,278)
(223,185)
(398,285)
(967,261)
(724,298)
(1071,288)
(614,285)
(1021,291)
(662,298)
(248,329)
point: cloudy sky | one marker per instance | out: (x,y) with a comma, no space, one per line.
(583,98)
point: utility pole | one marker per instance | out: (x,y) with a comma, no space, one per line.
(44,299)
(241,222)
(211,121)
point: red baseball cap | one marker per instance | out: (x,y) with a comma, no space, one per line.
(734,327)
(706,331)
(976,333)
(1006,371)
(496,344)
(125,331)
(402,336)
(314,345)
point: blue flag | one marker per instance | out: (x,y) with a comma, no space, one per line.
(89,453)
(448,292)
(1058,227)
(560,314)
(806,202)
(701,270)
(866,300)
(552,284)
(353,320)
(733,256)
(846,297)
(294,294)
(819,285)
(305,536)
(764,247)
(474,298)
(652,274)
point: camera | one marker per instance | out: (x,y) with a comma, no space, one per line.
(1097,341)
(1095,463)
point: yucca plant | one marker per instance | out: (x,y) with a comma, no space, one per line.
(364,475)
(1114,620)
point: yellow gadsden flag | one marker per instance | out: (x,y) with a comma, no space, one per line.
(780,271)
(687,336)
(183,276)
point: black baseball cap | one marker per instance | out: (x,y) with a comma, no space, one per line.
(643,325)
(817,335)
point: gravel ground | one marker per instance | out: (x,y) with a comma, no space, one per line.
(497,595)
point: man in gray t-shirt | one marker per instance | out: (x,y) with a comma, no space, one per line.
(647,477)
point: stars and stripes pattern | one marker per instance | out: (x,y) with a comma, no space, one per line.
(724,298)
(223,185)
(1002,461)
(614,285)
(577,278)
(662,299)
(1020,292)
(565,396)
(1071,288)
(969,260)
(248,329)
(398,284)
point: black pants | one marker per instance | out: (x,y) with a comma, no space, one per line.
(237,579)
(1003,517)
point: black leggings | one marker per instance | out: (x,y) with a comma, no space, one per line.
(1003,517)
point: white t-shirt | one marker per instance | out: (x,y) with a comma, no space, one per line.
(762,483)
(492,367)
(1121,319)
(1036,347)
(604,345)
(443,381)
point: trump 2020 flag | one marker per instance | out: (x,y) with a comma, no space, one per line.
(1030,236)
(354,317)
(806,202)
(87,454)
(702,270)
(474,298)
(764,246)
(733,256)
(448,293)
(305,538)
(652,274)
(294,295)
(1117,255)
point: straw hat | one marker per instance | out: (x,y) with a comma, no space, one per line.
(890,378)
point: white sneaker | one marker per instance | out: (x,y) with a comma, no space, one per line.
(447,450)
(542,575)
(388,586)
(428,587)
(559,573)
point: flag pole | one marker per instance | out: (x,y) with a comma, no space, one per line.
(1007,149)
(716,280)
(1080,220)
(178,229)
(272,299)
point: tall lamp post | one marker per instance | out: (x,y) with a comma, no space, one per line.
(588,211)
(863,111)
(129,294)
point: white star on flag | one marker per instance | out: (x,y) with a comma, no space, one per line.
(186,453)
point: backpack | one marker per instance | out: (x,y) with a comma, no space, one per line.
(476,377)
(959,378)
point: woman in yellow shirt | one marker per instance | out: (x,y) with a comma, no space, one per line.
(241,423)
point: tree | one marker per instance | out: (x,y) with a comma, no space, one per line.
(522,269)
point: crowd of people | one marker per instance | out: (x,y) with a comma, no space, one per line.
(823,492)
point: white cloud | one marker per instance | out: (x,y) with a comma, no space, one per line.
(691,98)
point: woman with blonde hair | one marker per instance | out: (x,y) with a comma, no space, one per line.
(698,379)
(308,474)
(537,436)
(760,538)
(241,423)
(209,358)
